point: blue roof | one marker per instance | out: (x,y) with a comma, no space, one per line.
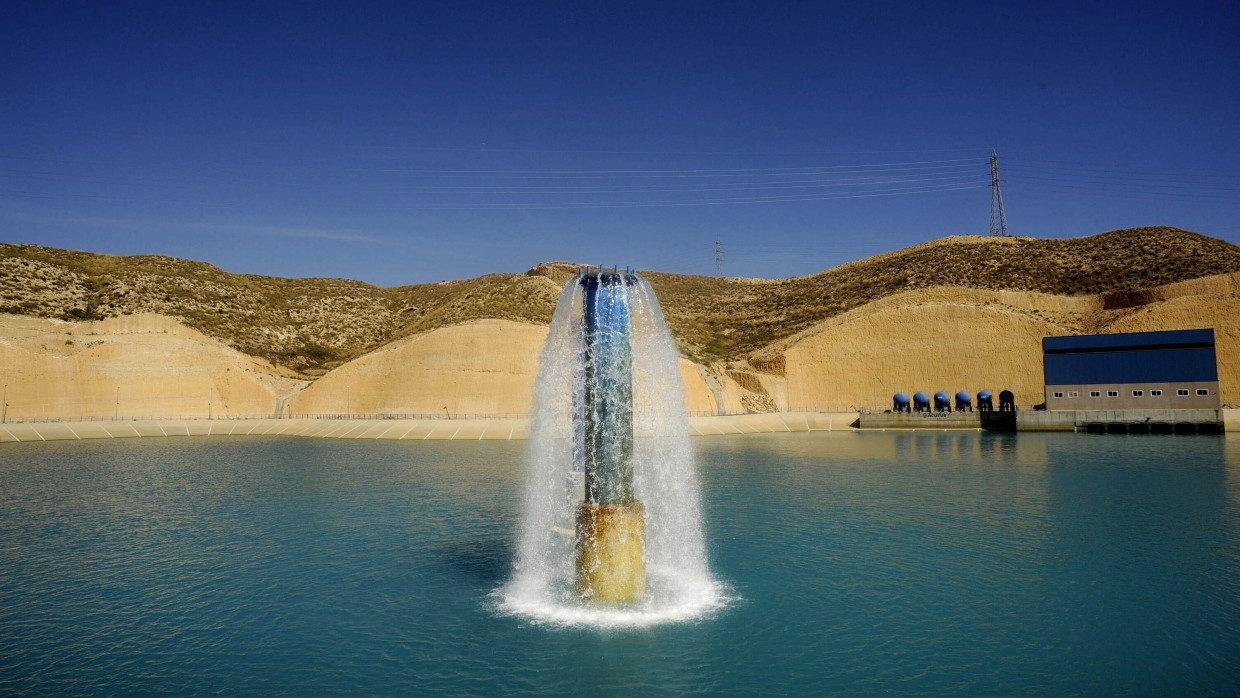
(1142,366)
(1128,340)
(1178,356)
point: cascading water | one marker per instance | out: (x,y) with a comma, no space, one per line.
(574,394)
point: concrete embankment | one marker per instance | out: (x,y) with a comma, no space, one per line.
(518,428)
(1153,421)
(393,429)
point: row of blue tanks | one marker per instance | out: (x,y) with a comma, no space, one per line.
(920,402)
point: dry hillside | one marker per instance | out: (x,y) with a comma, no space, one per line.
(314,324)
(304,324)
(730,318)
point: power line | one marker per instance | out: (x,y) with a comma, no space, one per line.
(675,188)
(696,202)
(729,172)
(517,189)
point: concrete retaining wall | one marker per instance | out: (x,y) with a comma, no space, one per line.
(1231,421)
(519,428)
(945,421)
(1201,416)
(1043,420)
(393,429)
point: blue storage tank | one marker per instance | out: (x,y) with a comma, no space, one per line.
(900,402)
(1007,401)
(921,402)
(985,402)
(964,402)
(942,402)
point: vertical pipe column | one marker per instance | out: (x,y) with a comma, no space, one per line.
(611,528)
(608,391)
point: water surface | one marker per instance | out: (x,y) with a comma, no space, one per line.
(862,564)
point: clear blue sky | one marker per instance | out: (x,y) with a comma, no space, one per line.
(409,142)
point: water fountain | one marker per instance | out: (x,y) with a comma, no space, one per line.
(612,530)
(611,524)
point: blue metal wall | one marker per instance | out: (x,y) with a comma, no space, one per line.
(1180,356)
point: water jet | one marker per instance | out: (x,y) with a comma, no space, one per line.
(611,524)
(611,532)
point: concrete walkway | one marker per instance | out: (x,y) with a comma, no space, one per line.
(1040,420)
(393,429)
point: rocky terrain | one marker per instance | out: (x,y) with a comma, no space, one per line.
(732,318)
(308,325)
(313,325)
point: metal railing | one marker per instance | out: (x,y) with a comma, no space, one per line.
(887,408)
(789,410)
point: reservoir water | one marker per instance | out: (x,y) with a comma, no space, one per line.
(854,563)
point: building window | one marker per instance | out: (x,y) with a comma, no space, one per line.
(1203,391)
(1112,393)
(1156,393)
(1182,392)
(1057,394)
(1073,393)
(1138,393)
(1095,393)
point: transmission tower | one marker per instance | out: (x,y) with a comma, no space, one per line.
(998,217)
(718,257)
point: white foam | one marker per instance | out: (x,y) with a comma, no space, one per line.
(679,584)
(669,599)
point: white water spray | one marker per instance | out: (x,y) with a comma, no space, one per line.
(679,585)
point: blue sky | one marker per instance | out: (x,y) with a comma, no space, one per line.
(416,141)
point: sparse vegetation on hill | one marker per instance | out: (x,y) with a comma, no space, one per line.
(716,318)
(314,324)
(305,324)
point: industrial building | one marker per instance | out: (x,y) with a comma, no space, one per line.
(1131,371)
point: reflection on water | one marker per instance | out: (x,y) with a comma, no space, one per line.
(868,564)
(967,447)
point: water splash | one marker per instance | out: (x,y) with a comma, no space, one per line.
(679,586)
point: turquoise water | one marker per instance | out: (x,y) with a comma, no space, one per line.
(860,564)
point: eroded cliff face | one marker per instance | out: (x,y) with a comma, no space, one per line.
(933,339)
(953,338)
(308,325)
(314,325)
(725,319)
(480,367)
(179,337)
(153,366)
(298,323)
(133,366)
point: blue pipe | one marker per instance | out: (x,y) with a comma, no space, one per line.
(608,388)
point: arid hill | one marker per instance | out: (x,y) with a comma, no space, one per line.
(305,324)
(311,325)
(731,318)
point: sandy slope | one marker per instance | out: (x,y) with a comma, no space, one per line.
(481,367)
(74,369)
(138,365)
(943,338)
(965,339)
